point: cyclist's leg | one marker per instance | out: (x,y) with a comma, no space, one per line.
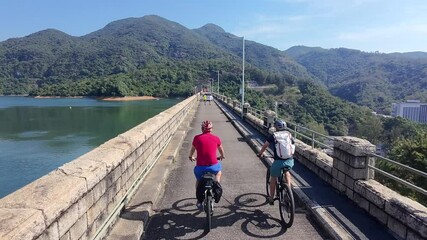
(218,176)
(273,181)
(288,178)
(274,174)
(217,170)
(198,172)
(288,164)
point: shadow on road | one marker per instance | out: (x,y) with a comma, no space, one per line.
(184,221)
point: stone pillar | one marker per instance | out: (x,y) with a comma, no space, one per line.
(350,163)
(246,107)
(269,117)
(235,103)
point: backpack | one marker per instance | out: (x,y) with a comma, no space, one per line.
(283,144)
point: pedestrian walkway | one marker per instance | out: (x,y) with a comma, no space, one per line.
(243,211)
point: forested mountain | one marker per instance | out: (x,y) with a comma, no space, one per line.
(154,56)
(259,55)
(374,80)
(51,57)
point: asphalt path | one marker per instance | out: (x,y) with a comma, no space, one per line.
(242,213)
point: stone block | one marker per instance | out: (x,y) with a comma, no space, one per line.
(373,191)
(21,223)
(408,212)
(51,233)
(84,167)
(335,183)
(349,182)
(397,227)
(108,153)
(357,174)
(413,236)
(325,176)
(349,193)
(324,164)
(96,209)
(340,165)
(335,173)
(341,177)
(68,219)
(113,190)
(53,193)
(99,190)
(361,201)
(341,187)
(353,161)
(66,236)
(114,175)
(85,203)
(353,145)
(79,228)
(378,213)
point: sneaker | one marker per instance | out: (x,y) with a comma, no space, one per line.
(270,200)
(199,206)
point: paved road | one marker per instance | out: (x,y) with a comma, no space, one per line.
(242,213)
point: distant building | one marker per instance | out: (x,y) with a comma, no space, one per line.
(413,110)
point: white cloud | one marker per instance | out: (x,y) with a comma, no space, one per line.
(367,25)
(385,33)
(400,38)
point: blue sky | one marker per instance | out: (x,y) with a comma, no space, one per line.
(367,25)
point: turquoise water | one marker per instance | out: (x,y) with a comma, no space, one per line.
(39,135)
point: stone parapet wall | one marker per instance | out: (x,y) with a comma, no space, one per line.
(75,200)
(348,172)
(403,216)
(317,161)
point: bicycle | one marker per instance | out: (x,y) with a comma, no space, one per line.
(285,196)
(208,178)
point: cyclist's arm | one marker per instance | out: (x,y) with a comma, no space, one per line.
(193,149)
(221,151)
(265,146)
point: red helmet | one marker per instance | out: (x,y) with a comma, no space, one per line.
(206,126)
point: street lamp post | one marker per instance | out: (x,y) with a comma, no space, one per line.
(243,75)
(217,71)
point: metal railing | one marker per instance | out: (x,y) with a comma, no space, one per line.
(325,142)
(391,176)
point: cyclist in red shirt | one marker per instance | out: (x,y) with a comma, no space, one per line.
(206,145)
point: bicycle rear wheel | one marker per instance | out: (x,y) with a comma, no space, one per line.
(208,209)
(286,205)
(267,182)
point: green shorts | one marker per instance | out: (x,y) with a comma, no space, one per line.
(279,164)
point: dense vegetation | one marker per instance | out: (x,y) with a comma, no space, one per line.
(369,79)
(156,57)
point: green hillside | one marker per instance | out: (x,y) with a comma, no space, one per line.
(374,80)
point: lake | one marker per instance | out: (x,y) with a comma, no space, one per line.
(37,135)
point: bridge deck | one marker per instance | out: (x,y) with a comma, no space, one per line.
(243,212)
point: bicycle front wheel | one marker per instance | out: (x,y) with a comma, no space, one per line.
(286,205)
(208,208)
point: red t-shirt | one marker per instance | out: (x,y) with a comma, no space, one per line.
(206,145)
